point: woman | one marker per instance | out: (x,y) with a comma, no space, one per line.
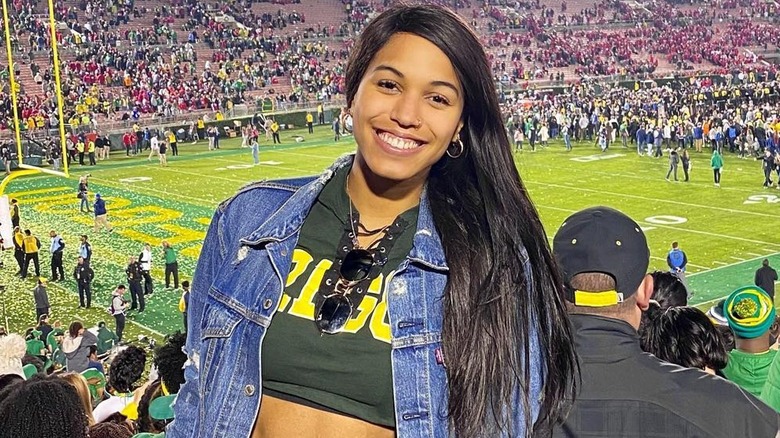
(383,271)
(42,407)
(80,383)
(716,163)
(684,336)
(685,160)
(76,347)
(83,194)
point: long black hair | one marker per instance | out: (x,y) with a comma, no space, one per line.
(494,302)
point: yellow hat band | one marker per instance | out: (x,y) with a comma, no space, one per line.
(597,299)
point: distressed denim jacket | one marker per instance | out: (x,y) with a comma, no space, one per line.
(236,289)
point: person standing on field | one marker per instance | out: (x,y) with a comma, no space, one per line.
(716,163)
(765,278)
(101,214)
(56,249)
(171,265)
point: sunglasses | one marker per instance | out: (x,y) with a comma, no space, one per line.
(336,309)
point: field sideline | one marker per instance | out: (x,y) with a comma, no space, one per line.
(726,231)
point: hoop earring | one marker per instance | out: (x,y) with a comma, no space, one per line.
(461,148)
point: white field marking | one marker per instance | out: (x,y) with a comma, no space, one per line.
(300,170)
(162,194)
(738,258)
(707,233)
(134,179)
(169,169)
(725,265)
(754,254)
(597,157)
(644,198)
(720,263)
(643,178)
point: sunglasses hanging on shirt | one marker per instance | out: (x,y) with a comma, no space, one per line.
(343,286)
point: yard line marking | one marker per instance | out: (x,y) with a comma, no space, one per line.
(754,254)
(738,258)
(725,265)
(162,194)
(643,178)
(706,233)
(644,198)
(720,263)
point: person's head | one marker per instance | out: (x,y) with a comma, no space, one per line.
(668,290)
(110,430)
(684,336)
(52,233)
(12,349)
(765,262)
(43,319)
(750,314)
(75,329)
(14,201)
(169,358)
(131,259)
(97,196)
(126,368)
(80,384)
(80,260)
(165,244)
(28,232)
(425,108)
(147,246)
(185,285)
(42,281)
(604,257)
(675,245)
(145,422)
(84,238)
(121,289)
(92,354)
(42,406)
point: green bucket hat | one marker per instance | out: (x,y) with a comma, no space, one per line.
(161,408)
(749,311)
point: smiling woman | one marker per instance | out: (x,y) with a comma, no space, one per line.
(408,291)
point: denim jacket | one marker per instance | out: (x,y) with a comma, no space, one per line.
(237,287)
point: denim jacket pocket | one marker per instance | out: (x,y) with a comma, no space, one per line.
(217,326)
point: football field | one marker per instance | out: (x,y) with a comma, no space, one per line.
(725,231)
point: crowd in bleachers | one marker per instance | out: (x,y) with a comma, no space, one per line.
(165,59)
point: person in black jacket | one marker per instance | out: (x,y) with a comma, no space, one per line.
(765,278)
(57,248)
(135,275)
(84,276)
(624,391)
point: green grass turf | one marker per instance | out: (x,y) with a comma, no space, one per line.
(724,231)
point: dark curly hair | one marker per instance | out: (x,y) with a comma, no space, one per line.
(684,336)
(169,359)
(42,406)
(126,368)
(145,421)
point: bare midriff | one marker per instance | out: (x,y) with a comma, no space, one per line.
(284,419)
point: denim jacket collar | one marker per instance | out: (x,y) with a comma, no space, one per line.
(287,220)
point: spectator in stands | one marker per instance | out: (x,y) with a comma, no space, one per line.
(683,336)
(110,430)
(44,327)
(76,347)
(41,299)
(12,350)
(42,407)
(428,45)
(765,278)
(604,256)
(124,373)
(106,338)
(79,383)
(750,313)
(93,361)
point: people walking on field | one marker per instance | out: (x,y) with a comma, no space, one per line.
(83,194)
(674,159)
(101,214)
(685,161)
(154,143)
(716,163)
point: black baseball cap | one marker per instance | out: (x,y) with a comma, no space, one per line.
(601,239)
